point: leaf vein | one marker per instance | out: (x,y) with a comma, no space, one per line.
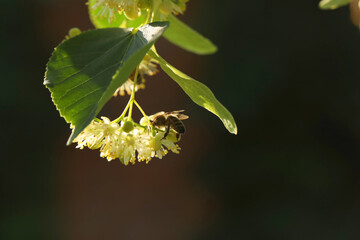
(97,58)
(90,78)
(78,54)
(78,100)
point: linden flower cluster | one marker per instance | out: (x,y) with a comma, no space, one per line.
(109,8)
(171,6)
(126,140)
(155,135)
(147,67)
(133,9)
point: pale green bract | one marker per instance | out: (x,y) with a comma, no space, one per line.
(185,37)
(333,4)
(199,93)
(84,72)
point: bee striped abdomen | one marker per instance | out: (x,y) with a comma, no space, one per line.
(169,120)
(176,124)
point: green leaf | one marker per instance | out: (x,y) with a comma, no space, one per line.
(185,37)
(333,4)
(199,93)
(120,20)
(84,71)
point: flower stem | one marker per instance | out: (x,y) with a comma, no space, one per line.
(132,98)
(148,16)
(97,120)
(152,10)
(139,125)
(146,127)
(123,113)
(142,111)
(130,102)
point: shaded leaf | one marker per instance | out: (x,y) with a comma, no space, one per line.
(84,71)
(199,93)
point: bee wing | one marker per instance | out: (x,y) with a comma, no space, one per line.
(152,117)
(174,112)
(178,114)
(157,114)
(182,116)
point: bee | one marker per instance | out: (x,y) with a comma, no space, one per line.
(169,120)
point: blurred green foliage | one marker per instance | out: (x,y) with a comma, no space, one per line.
(333,4)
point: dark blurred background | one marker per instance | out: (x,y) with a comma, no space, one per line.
(289,73)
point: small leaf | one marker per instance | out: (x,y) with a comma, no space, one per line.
(120,20)
(199,93)
(84,71)
(185,37)
(333,4)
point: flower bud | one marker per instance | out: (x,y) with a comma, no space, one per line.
(155,142)
(172,137)
(73,32)
(130,140)
(144,4)
(143,121)
(132,12)
(128,126)
(182,6)
(166,7)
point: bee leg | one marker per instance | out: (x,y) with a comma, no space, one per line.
(167,131)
